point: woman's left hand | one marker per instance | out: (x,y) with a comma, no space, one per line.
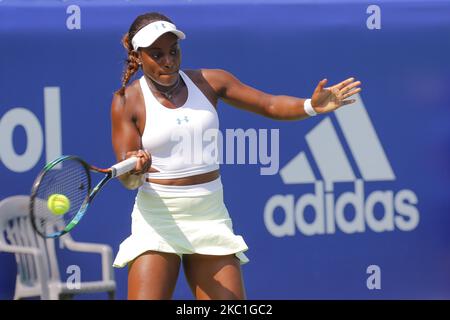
(329,99)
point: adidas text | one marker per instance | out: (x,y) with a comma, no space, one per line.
(399,211)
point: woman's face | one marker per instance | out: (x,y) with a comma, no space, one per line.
(161,61)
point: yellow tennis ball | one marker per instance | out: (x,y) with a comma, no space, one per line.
(58,204)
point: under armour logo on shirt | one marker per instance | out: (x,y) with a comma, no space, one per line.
(181,120)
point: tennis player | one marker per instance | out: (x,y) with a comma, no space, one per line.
(179,215)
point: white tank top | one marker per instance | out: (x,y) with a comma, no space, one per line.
(181,141)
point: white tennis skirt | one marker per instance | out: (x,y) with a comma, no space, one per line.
(182,225)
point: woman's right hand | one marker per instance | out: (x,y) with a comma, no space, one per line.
(134,179)
(144,161)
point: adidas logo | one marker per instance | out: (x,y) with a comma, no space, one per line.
(351,211)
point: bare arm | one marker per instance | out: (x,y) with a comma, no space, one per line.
(127,141)
(280,107)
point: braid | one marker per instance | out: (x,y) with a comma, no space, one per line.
(132,64)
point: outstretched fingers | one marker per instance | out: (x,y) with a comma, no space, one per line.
(345,102)
(350,86)
(321,85)
(351,93)
(344,83)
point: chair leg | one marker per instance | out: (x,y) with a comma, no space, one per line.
(111,295)
(66,296)
(54,295)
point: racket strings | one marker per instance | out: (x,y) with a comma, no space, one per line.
(68,178)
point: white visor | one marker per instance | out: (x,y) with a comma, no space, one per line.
(148,34)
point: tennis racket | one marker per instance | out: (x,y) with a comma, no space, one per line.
(62,192)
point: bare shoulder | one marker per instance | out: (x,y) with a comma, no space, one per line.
(215,74)
(216,79)
(129,102)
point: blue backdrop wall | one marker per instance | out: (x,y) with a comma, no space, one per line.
(359,194)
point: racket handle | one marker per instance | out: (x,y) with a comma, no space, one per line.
(123,167)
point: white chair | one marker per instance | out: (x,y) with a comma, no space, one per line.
(36,258)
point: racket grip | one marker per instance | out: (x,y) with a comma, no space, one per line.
(123,167)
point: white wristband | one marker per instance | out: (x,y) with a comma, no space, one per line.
(308,108)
